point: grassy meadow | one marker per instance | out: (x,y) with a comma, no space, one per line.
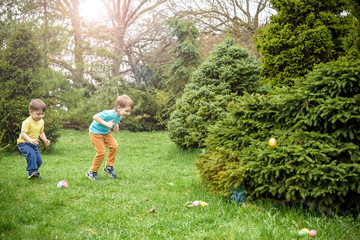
(153,173)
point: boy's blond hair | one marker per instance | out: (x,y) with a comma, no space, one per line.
(123,101)
(36,105)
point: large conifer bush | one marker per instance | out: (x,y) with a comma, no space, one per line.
(301,35)
(229,72)
(316,124)
(21,81)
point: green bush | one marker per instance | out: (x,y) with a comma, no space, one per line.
(2,147)
(80,109)
(20,82)
(143,116)
(352,40)
(15,88)
(317,158)
(52,127)
(229,72)
(301,35)
(187,55)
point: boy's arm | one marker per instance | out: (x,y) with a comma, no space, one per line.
(109,124)
(43,137)
(28,139)
(115,129)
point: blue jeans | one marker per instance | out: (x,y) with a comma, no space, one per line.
(32,154)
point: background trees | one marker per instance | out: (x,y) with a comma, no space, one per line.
(20,81)
(352,41)
(229,72)
(130,47)
(187,55)
(126,18)
(300,35)
(218,19)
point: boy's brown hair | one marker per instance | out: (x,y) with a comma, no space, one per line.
(123,101)
(36,105)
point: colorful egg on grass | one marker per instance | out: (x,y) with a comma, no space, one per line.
(302,233)
(64,184)
(305,230)
(312,233)
(59,185)
(272,142)
(239,195)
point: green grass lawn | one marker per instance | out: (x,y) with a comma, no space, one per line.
(153,173)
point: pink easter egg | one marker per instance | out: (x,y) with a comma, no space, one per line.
(64,183)
(312,233)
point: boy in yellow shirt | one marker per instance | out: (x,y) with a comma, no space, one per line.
(28,142)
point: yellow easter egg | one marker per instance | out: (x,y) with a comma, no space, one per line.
(272,142)
(305,230)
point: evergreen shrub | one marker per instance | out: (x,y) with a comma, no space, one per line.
(20,82)
(144,114)
(229,72)
(2,147)
(301,35)
(52,127)
(316,124)
(17,89)
(78,109)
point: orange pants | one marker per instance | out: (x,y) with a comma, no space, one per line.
(100,141)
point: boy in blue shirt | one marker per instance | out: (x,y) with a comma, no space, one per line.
(101,136)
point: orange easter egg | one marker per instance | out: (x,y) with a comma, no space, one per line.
(272,142)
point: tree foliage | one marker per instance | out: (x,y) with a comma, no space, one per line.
(229,72)
(217,19)
(20,81)
(352,41)
(144,114)
(187,55)
(124,16)
(302,34)
(316,126)
(22,51)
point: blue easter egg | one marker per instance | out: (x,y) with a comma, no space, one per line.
(239,195)
(59,185)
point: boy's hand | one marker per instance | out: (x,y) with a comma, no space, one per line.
(115,128)
(110,124)
(34,141)
(47,143)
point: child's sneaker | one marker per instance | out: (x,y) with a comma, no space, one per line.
(34,174)
(110,172)
(92,175)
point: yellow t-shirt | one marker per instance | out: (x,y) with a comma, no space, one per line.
(32,129)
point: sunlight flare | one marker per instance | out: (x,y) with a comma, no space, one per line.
(92,10)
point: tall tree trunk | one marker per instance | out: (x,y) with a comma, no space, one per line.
(46,63)
(122,16)
(78,71)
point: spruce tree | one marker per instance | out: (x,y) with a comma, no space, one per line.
(19,81)
(187,55)
(300,35)
(315,122)
(229,72)
(352,41)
